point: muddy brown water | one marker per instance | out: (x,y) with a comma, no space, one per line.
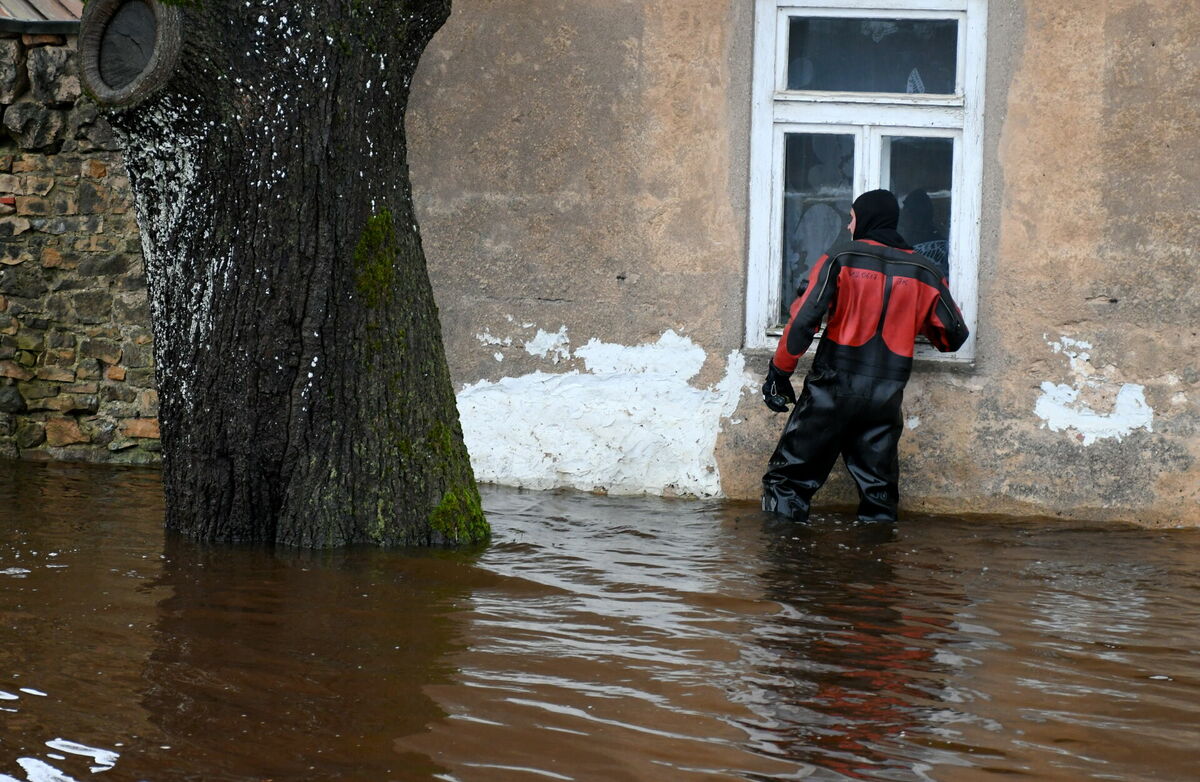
(595,639)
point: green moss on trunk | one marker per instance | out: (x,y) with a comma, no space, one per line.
(459,517)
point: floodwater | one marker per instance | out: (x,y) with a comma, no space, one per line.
(596,639)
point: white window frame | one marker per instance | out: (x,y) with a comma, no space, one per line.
(776,111)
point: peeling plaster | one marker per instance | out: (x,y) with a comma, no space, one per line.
(1062,409)
(555,345)
(629,424)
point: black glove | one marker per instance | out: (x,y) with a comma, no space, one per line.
(777,391)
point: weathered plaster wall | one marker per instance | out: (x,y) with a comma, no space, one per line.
(580,170)
(581,173)
(1094,290)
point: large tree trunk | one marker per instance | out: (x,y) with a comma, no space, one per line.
(304,392)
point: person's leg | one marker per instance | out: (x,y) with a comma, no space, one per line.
(805,454)
(871,453)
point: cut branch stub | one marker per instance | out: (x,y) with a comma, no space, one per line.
(128,49)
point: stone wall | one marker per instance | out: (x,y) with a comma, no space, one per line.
(76,355)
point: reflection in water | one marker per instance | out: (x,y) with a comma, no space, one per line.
(296,664)
(596,639)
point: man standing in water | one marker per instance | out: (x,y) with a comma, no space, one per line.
(876,294)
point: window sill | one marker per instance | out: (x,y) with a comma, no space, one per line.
(925,365)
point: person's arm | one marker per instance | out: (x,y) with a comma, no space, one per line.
(817,290)
(806,312)
(944,325)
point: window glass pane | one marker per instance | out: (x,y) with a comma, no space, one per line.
(920,171)
(818,180)
(873,55)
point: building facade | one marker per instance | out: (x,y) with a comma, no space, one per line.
(617,198)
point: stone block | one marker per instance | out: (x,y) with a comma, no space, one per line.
(64,204)
(95,265)
(92,198)
(13,226)
(61,339)
(140,427)
(57,374)
(37,390)
(8,423)
(116,374)
(93,306)
(99,243)
(25,281)
(133,282)
(140,335)
(105,350)
(26,163)
(99,136)
(147,402)
(8,324)
(94,169)
(137,356)
(57,226)
(55,258)
(118,392)
(37,184)
(69,282)
(15,371)
(91,387)
(9,450)
(31,339)
(100,431)
(14,78)
(31,40)
(30,434)
(11,184)
(73,403)
(64,431)
(34,126)
(89,369)
(66,168)
(34,206)
(53,76)
(11,400)
(132,308)
(140,378)
(109,332)
(59,357)
(26,358)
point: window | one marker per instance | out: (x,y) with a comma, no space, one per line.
(853,95)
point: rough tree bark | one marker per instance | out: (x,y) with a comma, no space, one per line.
(305,397)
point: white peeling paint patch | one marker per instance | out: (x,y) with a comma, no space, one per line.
(486,338)
(557,346)
(912,422)
(629,424)
(1059,404)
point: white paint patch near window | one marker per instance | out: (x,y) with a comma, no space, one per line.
(630,424)
(1062,409)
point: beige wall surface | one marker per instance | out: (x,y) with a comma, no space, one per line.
(581,171)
